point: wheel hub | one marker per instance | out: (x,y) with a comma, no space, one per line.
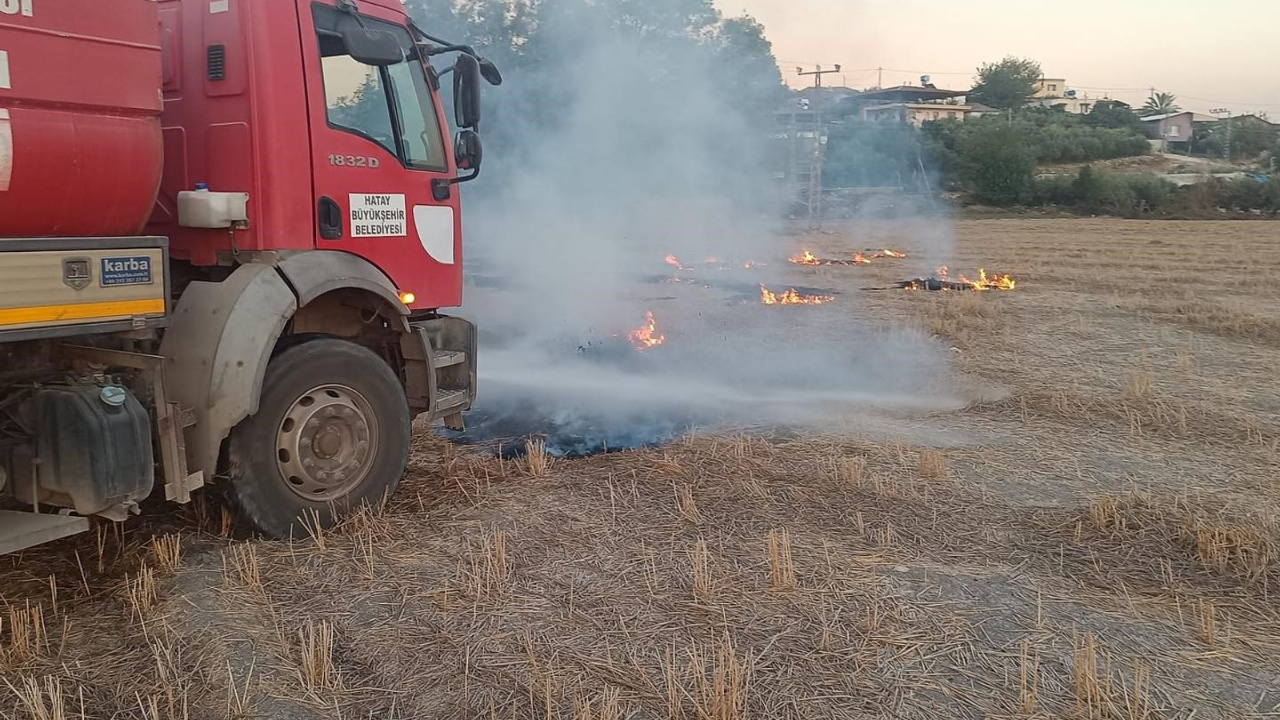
(326,443)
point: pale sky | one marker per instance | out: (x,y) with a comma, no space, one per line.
(1223,53)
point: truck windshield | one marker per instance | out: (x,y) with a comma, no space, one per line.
(391,106)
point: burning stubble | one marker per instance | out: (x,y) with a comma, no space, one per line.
(638,175)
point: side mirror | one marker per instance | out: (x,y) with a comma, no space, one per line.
(372,47)
(468,152)
(490,73)
(466,92)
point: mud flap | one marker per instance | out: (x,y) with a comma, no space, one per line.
(216,353)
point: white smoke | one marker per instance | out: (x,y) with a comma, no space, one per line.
(648,156)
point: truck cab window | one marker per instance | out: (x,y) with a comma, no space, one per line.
(391,106)
(423,144)
(356,99)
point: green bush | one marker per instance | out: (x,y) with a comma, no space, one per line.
(1249,195)
(1094,192)
(1108,114)
(1144,194)
(998,165)
(1064,141)
(1089,189)
(993,157)
(1154,193)
(1054,190)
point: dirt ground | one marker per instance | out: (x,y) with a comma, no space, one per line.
(1093,536)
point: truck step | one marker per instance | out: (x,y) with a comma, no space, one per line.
(451,399)
(21,530)
(448,358)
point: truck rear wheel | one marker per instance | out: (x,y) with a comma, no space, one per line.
(331,435)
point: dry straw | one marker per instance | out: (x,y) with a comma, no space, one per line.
(782,568)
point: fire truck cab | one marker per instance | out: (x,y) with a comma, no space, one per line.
(227,228)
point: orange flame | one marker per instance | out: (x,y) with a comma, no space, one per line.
(792,297)
(673,261)
(806,258)
(860,259)
(647,337)
(984,282)
(894,254)
(997,282)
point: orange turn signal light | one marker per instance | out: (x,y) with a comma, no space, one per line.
(408,298)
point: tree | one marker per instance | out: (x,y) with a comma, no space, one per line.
(1008,84)
(997,164)
(1161,104)
(1114,115)
(747,67)
(1251,136)
(539,44)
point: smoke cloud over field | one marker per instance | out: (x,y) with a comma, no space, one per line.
(618,148)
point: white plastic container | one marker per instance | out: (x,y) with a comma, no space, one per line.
(201,208)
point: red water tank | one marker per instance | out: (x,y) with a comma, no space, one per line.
(80,140)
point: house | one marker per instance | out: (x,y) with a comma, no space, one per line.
(1172,131)
(911,104)
(916,114)
(824,98)
(1050,88)
(1071,103)
(977,110)
(1054,93)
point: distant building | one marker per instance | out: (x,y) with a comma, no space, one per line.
(1173,130)
(823,98)
(1054,93)
(910,104)
(977,110)
(800,139)
(916,114)
(1050,88)
(1253,117)
(1072,103)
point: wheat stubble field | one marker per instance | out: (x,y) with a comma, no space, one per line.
(1096,538)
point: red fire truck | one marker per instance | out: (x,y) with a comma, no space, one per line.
(226,231)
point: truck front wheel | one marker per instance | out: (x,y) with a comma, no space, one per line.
(331,435)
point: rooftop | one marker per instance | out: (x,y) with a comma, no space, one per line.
(1195,116)
(909,93)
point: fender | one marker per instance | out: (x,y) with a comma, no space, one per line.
(315,273)
(216,351)
(222,335)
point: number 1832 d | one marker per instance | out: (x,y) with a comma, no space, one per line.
(355,161)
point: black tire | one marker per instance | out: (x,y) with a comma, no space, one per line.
(267,484)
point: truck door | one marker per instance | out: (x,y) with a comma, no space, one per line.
(378,143)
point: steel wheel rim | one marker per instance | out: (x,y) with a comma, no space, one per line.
(326,443)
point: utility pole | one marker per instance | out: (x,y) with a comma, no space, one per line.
(817,74)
